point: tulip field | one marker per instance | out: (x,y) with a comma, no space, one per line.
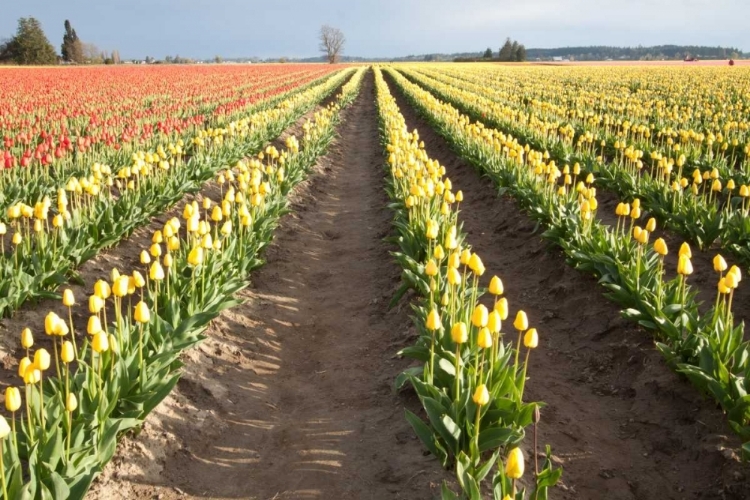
(637,176)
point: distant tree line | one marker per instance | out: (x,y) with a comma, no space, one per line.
(639,53)
(511,51)
(30,46)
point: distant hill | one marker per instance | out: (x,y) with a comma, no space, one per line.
(591,53)
(658,52)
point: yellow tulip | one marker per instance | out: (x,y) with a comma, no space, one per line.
(431,269)
(96,304)
(67,353)
(433,321)
(514,467)
(23,365)
(100,343)
(476,265)
(531,339)
(685,250)
(32,375)
(68,298)
(684,266)
(496,286)
(27,339)
(142,314)
(145,258)
(41,359)
(660,247)
(481,395)
(484,338)
(102,289)
(120,286)
(521,322)
(651,225)
(94,325)
(459,333)
(723,286)
(479,316)
(502,308)
(12,399)
(72,403)
(195,258)
(156,272)
(454,277)
(720,265)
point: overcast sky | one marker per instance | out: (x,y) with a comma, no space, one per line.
(270,28)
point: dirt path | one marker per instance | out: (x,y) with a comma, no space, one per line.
(622,425)
(291,395)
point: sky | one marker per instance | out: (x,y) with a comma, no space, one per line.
(379,28)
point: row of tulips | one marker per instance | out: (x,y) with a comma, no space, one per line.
(104,377)
(708,348)
(47,145)
(472,382)
(703,206)
(704,117)
(42,243)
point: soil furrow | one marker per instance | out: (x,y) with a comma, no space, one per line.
(621,424)
(291,397)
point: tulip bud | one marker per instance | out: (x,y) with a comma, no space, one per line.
(454,277)
(68,299)
(502,308)
(94,325)
(50,323)
(102,289)
(41,359)
(720,265)
(431,269)
(660,247)
(142,314)
(27,339)
(23,365)
(120,286)
(439,253)
(514,467)
(651,225)
(138,279)
(496,286)
(724,287)
(195,258)
(479,316)
(32,375)
(156,272)
(476,265)
(481,395)
(684,266)
(72,403)
(484,338)
(67,353)
(100,342)
(459,334)
(531,339)
(736,272)
(521,322)
(433,320)
(145,258)
(494,321)
(12,399)
(685,250)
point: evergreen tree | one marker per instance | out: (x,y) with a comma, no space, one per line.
(31,45)
(488,53)
(514,51)
(72,48)
(521,53)
(506,52)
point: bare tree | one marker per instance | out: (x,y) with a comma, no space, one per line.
(331,42)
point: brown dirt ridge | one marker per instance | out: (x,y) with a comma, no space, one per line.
(620,423)
(291,396)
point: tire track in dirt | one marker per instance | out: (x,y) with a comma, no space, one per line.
(291,397)
(621,424)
